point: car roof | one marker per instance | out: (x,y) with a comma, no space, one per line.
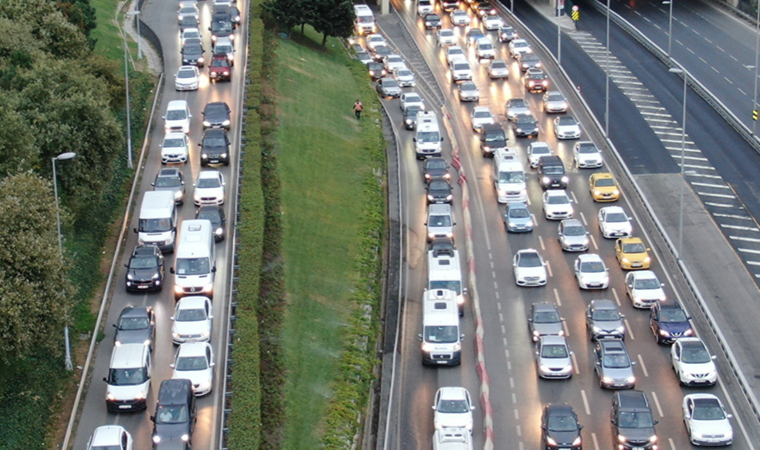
(192,349)
(481,108)
(544,306)
(211,132)
(572,223)
(631,240)
(439,208)
(174,391)
(107,435)
(144,249)
(512,205)
(602,175)
(169,172)
(632,399)
(555,192)
(174,135)
(612,346)
(527,251)
(553,340)
(691,342)
(669,304)
(188,69)
(192,302)
(177,104)
(613,209)
(603,303)
(643,274)
(453,393)
(208,174)
(586,257)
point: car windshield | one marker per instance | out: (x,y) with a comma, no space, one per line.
(537,150)
(390,83)
(411,111)
(455,51)
(517,103)
(511,177)
(364,19)
(436,164)
(616,218)
(127,377)
(587,148)
(134,323)
(453,407)
(672,315)
(428,136)
(191,34)
(451,285)
(485,45)
(172,414)
(442,335)
(187,10)
(215,142)
(475,33)
(616,361)
(404,73)
(189,21)
(208,183)
(562,422)
(461,66)
(554,351)
(412,99)
(439,221)
(439,185)
(647,283)
(495,136)
(191,363)
(575,230)
(468,86)
(604,182)
(446,33)
(712,411)
(520,44)
(459,12)
(223,49)
(566,121)
(190,315)
(174,143)
(546,317)
(525,120)
(431,17)
(695,355)
(143,262)
(634,248)
(530,260)
(641,419)
(186,74)
(482,115)
(162,182)
(176,114)
(519,213)
(154,225)
(605,315)
(498,65)
(221,26)
(558,200)
(528,57)
(220,62)
(193,49)
(212,215)
(592,267)
(193,266)
(553,170)
(555,98)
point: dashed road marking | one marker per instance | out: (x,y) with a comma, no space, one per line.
(585,402)
(549,269)
(593,241)
(716,186)
(541,242)
(556,297)
(744,239)
(732,216)
(628,329)
(657,403)
(583,218)
(575,364)
(643,366)
(617,299)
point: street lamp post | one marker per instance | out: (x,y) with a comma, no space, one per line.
(62,157)
(607,72)
(129,112)
(139,39)
(559,37)
(670,25)
(683,149)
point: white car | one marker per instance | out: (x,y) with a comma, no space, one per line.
(405,77)
(529,268)
(175,148)
(484,49)
(454,53)
(693,363)
(110,437)
(587,155)
(460,18)
(492,23)
(177,117)
(192,320)
(375,40)
(453,408)
(187,78)
(191,33)
(394,62)
(519,46)
(557,205)
(706,420)
(460,71)
(195,361)
(225,46)
(644,289)
(209,188)
(536,150)
(446,36)
(408,99)
(566,127)
(188,10)
(614,222)
(480,116)
(515,107)
(498,69)
(591,272)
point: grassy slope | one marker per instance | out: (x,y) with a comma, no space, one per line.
(110,43)
(321,171)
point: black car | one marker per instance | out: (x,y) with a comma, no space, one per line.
(381,53)
(669,322)
(136,325)
(484,9)
(435,167)
(432,21)
(410,116)
(216,115)
(560,428)
(145,270)
(186,22)
(230,11)
(632,422)
(175,415)
(192,54)
(536,81)
(376,70)
(525,125)
(449,5)
(221,26)
(551,172)
(215,147)
(215,215)
(492,138)
(439,191)
(528,61)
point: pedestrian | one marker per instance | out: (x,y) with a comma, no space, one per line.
(358,109)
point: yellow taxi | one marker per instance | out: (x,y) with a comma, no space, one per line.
(603,187)
(632,254)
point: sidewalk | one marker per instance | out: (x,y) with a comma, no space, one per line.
(155,64)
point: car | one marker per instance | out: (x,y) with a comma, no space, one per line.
(364,57)
(216,115)
(492,139)
(544,320)
(572,235)
(528,61)
(515,107)
(473,35)
(449,5)
(566,127)
(381,52)
(215,215)
(553,358)
(484,49)
(560,428)
(536,80)
(220,68)
(506,33)
(175,148)
(393,63)
(440,222)
(614,222)
(171,179)
(222,27)
(175,416)
(551,172)
(517,46)
(215,147)
(410,116)
(439,191)
(190,33)
(536,150)
(525,125)
(145,270)
(613,365)
(136,325)
(187,78)
(529,268)
(425,7)
(480,116)
(188,10)
(632,423)
(388,87)
(404,77)
(632,254)
(376,70)
(706,420)
(408,99)
(460,18)
(435,167)
(603,187)
(492,22)
(209,188)
(374,41)
(227,10)
(468,92)
(110,437)
(432,21)
(693,363)
(177,117)
(554,102)
(517,218)
(557,205)
(604,321)
(669,322)
(188,21)
(453,53)
(224,45)
(192,54)
(460,71)
(498,69)
(591,272)
(192,320)
(483,9)
(195,361)
(644,289)
(453,409)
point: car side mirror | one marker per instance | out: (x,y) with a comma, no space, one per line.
(114,325)
(713,357)
(662,284)
(134,229)
(461,337)
(441,139)
(622,316)
(433,407)
(454,223)
(414,139)
(212,364)
(126,265)
(171,269)
(630,285)
(213,269)
(649,249)
(465,291)
(153,184)
(688,317)
(614,422)
(472,408)
(536,353)
(656,422)
(425,223)
(633,363)
(419,337)
(562,319)
(171,365)
(105,379)
(210,316)
(530,320)
(152,418)
(729,416)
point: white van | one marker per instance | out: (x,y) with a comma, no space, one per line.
(509,176)
(425,7)
(444,272)
(427,140)
(452,439)
(440,222)
(128,378)
(441,338)
(365,20)
(195,263)
(157,223)
(177,117)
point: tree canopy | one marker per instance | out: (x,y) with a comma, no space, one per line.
(330,17)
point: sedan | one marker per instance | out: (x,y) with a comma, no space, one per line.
(644,289)
(216,115)
(376,70)
(215,147)
(188,11)
(388,87)
(614,222)
(517,218)
(195,361)
(460,18)
(468,92)
(405,77)
(364,57)
(507,33)
(410,117)
(408,99)
(190,33)
(613,365)
(586,155)
(455,52)
(693,363)
(393,63)
(480,116)
(525,125)
(498,69)
(591,272)
(572,236)
(529,268)
(192,320)
(528,61)
(220,68)
(560,428)
(535,151)
(453,408)
(669,322)
(110,437)
(516,107)
(439,191)
(435,167)
(186,22)
(603,187)
(566,127)
(173,180)
(136,325)
(557,205)
(544,320)
(553,358)
(706,420)
(209,188)
(632,254)
(554,102)
(517,46)
(215,215)
(187,78)
(536,80)
(145,270)
(192,54)
(603,320)
(492,22)
(374,41)
(446,36)
(381,53)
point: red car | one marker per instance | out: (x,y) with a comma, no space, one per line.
(220,68)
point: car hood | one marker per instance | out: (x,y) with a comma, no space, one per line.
(128,392)
(142,274)
(531,271)
(555,363)
(469,92)
(169,431)
(558,207)
(575,240)
(184,81)
(595,277)
(133,336)
(711,427)
(618,226)
(637,435)
(463,420)
(195,376)
(215,149)
(215,118)
(556,104)
(648,294)
(219,68)
(439,192)
(617,373)
(602,189)
(563,438)
(520,220)
(675,327)
(594,157)
(548,328)
(209,192)
(708,367)
(567,128)
(196,327)
(607,326)
(192,54)
(437,173)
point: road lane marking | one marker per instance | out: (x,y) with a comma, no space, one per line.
(498,304)
(717,186)
(740,90)
(708,194)
(549,269)
(585,402)
(567,330)
(593,435)
(726,78)
(719,205)
(614,292)
(511,382)
(745,239)
(575,200)
(583,218)
(514,398)
(556,297)
(672,444)
(541,241)
(628,329)
(753,263)
(657,403)
(501,317)
(497,296)
(690,51)
(503,329)
(517,416)
(644,368)
(739,227)
(732,57)
(493,274)
(714,69)
(702,59)
(709,41)
(732,216)
(593,241)
(575,364)
(719,48)
(509,366)
(495,285)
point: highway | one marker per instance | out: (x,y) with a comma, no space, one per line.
(515,391)
(162,18)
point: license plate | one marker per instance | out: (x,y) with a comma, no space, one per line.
(142,287)
(638,448)
(125,406)
(635,265)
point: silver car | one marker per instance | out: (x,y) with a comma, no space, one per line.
(544,320)
(613,366)
(171,179)
(468,92)
(603,320)
(555,102)
(515,107)
(517,218)
(498,69)
(405,77)
(572,235)
(553,358)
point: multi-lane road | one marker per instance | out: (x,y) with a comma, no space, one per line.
(162,18)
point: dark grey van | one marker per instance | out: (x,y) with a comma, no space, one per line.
(551,172)
(175,416)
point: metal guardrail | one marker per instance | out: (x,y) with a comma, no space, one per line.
(149,35)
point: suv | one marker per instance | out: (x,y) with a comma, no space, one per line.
(632,422)
(669,322)
(175,412)
(145,270)
(215,147)
(216,115)
(492,138)
(220,68)
(551,172)
(613,365)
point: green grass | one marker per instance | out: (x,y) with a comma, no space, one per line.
(109,40)
(321,170)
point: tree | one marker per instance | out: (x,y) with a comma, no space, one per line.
(333,18)
(34,291)
(285,14)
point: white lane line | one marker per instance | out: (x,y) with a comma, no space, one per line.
(704,175)
(567,330)
(672,444)
(617,300)
(644,368)
(714,69)
(593,241)
(719,205)
(575,200)
(719,48)
(732,216)
(690,51)
(716,186)
(657,402)
(692,158)
(549,269)
(693,166)
(748,250)
(493,274)
(501,317)
(517,415)
(585,402)
(504,331)
(498,304)
(740,90)
(583,218)
(519,429)
(495,285)
(707,194)
(497,296)
(738,227)
(702,59)
(514,398)
(744,239)
(628,328)
(556,297)
(734,58)
(575,364)
(541,241)
(708,40)
(533,216)
(647,19)
(753,263)
(593,435)
(729,81)
(511,382)
(695,31)
(521,447)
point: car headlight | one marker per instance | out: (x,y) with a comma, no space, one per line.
(177,195)
(427,347)
(200,60)
(223,155)
(110,396)
(625,260)
(620,329)
(175,335)
(219,231)
(155,276)
(544,368)
(226,72)
(204,155)
(511,224)
(551,441)
(664,333)
(178,289)
(519,130)
(213,38)
(206,334)
(622,438)
(647,259)
(561,333)
(663,298)
(653,439)
(130,277)
(449,197)
(140,395)
(545,180)
(169,241)
(185,437)
(688,332)
(631,379)
(616,192)
(596,192)
(577,441)
(430,197)
(596,329)
(209,287)
(536,333)
(460,299)
(206,123)
(607,380)
(457,347)
(156,439)
(409,121)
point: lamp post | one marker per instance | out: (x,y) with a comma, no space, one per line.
(62,157)
(607,81)
(683,149)
(670,25)
(129,112)
(139,40)
(559,38)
